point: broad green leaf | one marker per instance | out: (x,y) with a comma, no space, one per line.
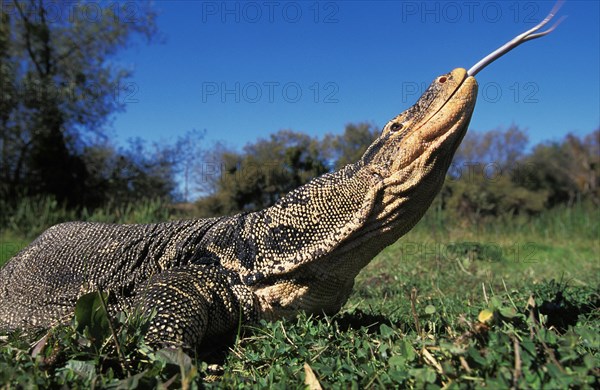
(385,331)
(90,315)
(407,350)
(507,312)
(397,361)
(495,303)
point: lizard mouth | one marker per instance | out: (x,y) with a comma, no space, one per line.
(436,124)
(454,100)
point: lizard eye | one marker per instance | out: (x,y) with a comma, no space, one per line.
(396,126)
(442,79)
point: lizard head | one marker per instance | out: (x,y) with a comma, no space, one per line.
(431,129)
(419,143)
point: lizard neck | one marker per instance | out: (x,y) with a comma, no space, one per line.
(346,221)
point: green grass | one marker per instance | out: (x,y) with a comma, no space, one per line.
(34,215)
(508,303)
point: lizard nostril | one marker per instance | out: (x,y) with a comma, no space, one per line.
(442,79)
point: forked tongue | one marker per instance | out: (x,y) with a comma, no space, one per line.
(516,41)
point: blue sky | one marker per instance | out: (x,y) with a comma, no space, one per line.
(243,70)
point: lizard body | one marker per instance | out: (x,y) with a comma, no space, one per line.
(302,253)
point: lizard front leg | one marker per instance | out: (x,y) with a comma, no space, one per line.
(195,303)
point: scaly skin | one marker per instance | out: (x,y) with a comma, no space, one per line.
(203,276)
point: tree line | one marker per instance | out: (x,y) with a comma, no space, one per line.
(60,88)
(493,173)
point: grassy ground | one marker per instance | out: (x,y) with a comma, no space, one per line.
(508,303)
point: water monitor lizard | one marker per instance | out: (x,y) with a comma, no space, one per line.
(204,276)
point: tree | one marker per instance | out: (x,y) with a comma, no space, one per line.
(125,175)
(268,169)
(568,170)
(260,175)
(499,147)
(188,151)
(59,88)
(349,147)
(486,178)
